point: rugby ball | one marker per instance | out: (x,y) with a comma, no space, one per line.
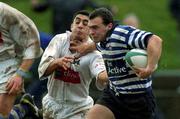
(136,58)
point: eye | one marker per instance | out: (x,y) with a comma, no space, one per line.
(94,27)
(85,23)
(77,22)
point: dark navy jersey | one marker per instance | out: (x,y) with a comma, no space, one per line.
(118,42)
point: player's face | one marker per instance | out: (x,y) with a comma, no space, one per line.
(98,30)
(79,27)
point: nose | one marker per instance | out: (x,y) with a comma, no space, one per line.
(91,32)
(80,25)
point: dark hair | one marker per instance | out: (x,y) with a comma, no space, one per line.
(104,13)
(83,12)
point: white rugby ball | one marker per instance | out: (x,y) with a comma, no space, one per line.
(137,58)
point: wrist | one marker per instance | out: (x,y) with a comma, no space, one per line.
(24,74)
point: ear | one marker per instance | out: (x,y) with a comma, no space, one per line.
(109,26)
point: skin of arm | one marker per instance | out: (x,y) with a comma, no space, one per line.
(154,50)
(102,80)
(83,49)
(15,83)
(63,62)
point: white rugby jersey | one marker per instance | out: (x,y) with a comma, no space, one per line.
(18,40)
(72,85)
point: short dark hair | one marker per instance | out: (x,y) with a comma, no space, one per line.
(104,13)
(83,12)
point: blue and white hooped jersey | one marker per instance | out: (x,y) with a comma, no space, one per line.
(122,78)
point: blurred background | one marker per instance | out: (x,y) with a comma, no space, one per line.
(153,15)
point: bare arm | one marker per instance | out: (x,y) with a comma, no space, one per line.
(84,48)
(15,83)
(154,50)
(63,62)
(102,80)
(26,64)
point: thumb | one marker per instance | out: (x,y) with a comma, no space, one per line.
(78,55)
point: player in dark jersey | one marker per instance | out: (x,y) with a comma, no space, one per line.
(129,93)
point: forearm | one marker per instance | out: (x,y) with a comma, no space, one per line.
(51,68)
(90,47)
(14,85)
(154,50)
(23,69)
(102,80)
(26,64)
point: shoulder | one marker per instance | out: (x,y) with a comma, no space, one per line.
(3,6)
(13,17)
(61,38)
(62,35)
(94,54)
(10,12)
(124,28)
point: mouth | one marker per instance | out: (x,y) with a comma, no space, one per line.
(79,32)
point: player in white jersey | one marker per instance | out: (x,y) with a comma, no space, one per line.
(69,79)
(19,45)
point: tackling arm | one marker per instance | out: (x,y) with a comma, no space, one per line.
(102,80)
(83,49)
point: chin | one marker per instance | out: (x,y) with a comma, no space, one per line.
(96,41)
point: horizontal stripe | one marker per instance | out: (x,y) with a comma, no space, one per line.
(116,44)
(118,37)
(114,52)
(109,56)
(121,30)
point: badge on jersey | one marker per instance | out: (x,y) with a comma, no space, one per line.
(68,75)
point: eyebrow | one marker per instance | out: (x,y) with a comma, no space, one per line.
(81,19)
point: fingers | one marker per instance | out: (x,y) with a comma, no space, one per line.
(65,62)
(14,85)
(77,55)
(13,89)
(69,58)
(9,85)
(139,72)
(74,46)
(142,73)
(65,65)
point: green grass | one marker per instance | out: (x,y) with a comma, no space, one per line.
(154,16)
